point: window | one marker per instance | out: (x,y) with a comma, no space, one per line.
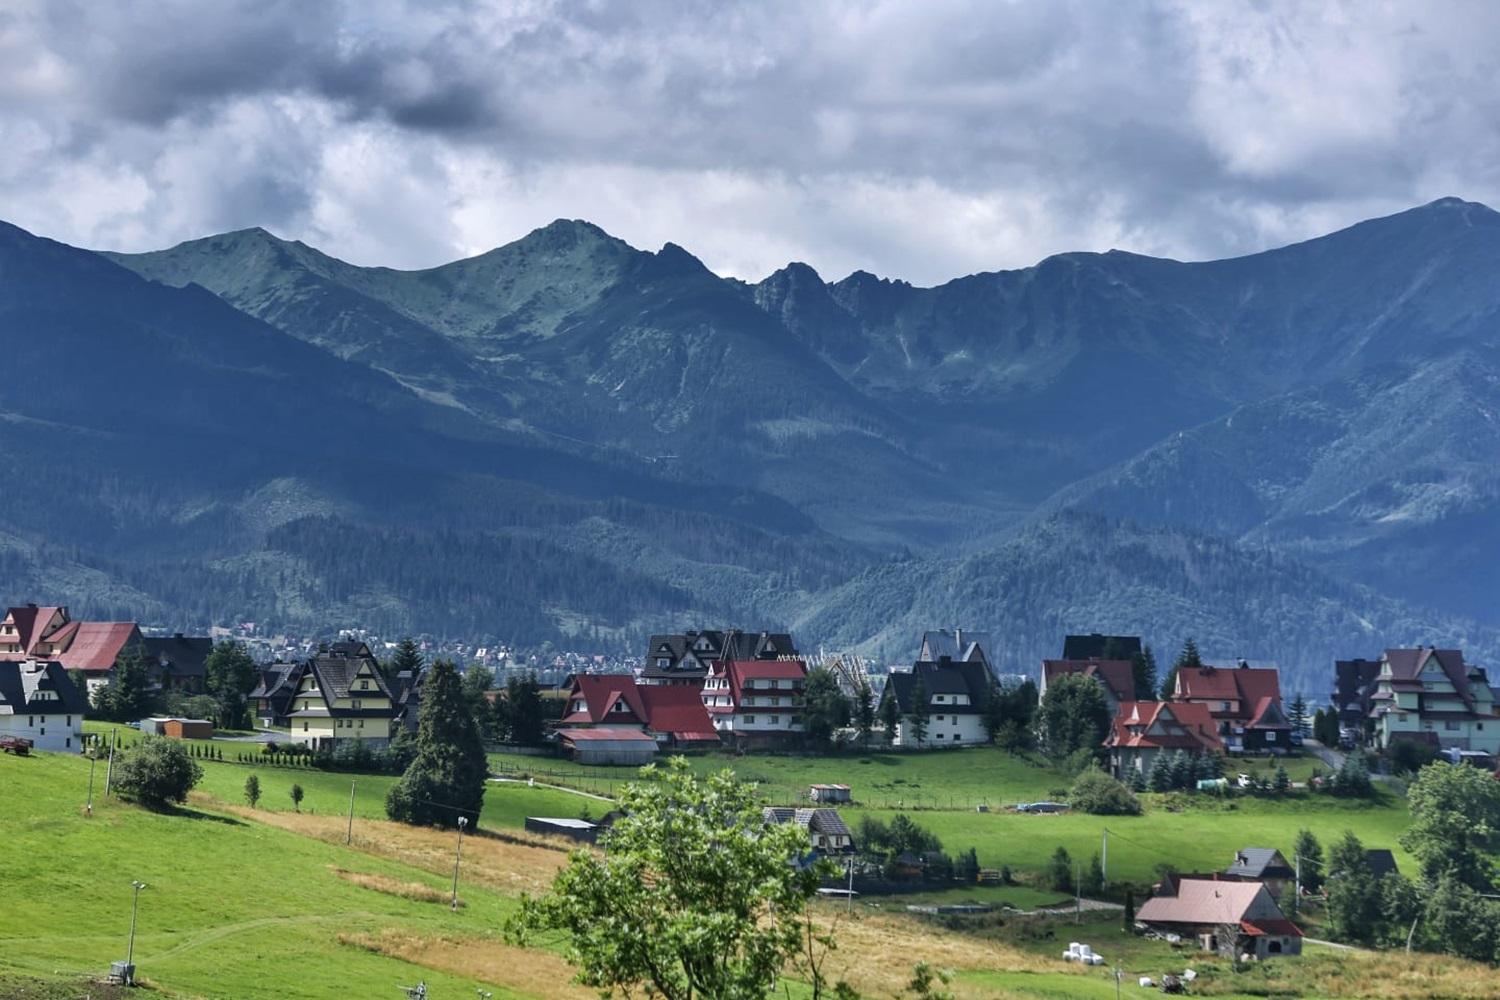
(361,723)
(1401,716)
(1270,737)
(749,718)
(940,718)
(30,721)
(1450,726)
(356,704)
(304,725)
(70,722)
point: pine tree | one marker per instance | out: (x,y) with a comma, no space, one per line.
(1127,919)
(1297,715)
(1093,878)
(1310,853)
(408,659)
(524,710)
(127,696)
(864,711)
(1060,871)
(1282,783)
(252,791)
(1181,771)
(1189,658)
(228,676)
(1161,773)
(1143,669)
(921,712)
(890,713)
(447,778)
(1137,780)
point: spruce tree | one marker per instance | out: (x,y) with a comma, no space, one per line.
(1060,871)
(864,711)
(127,696)
(526,714)
(1297,715)
(921,712)
(1310,853)
(228,675)
(1282,783)
(447,778)
(408,659)
(1143,669)
(1161,772)
(890,713)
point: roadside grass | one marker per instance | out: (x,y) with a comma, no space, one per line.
(1021,897)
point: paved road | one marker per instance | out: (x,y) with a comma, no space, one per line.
(1333,758)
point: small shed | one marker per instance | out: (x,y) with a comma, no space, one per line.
(188,729)
(830,793)
(154,726)
(554,826)
(608,745)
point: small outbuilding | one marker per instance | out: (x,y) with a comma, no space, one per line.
(830,793)
(554,826)
(188,729)
(608,745)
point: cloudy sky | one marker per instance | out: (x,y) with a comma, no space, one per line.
(921,140)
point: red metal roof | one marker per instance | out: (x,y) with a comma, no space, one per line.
(664,708)
(1117,675)
(1245,685)
(97,645)
(677,709)
(620,733)
(1271,925)
(1189,725)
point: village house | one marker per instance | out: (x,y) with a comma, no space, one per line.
(1115,677)
(177,661)
(686,658)
(958,645)
(756,702)
(1354,683)
(826,829)
(49,634)
(1245,703)
(1143,730)
(955,695)
(671,715)
(406,695)
(1228,918)
(1263,864)
(40,703)
(271,698)
(341,696)
(1101,647)
(1432,696)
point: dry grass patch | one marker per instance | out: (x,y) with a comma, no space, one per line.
(1380,975)
(876,953)
(511,865)
(530,971)
(393,886)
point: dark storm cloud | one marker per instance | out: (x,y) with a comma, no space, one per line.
(915,139)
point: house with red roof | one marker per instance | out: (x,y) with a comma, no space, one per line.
(1245,702)
(1143,730)
(1434,696)
(671,715)
(1116,677)
(1229,918)
(48,634)
(756,702)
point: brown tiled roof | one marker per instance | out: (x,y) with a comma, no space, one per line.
(1116,675)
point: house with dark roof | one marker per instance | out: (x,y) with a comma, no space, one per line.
(1432,695)
(1116,678)
(178,660)
(686,657)
(1141,731)
(826,829)
(271,698)
(1354,691)
(673,715)
(31,632)
(1262,864)
(1381,862)
(959,645)
(1244,701)
(340,696)
(406,694)
(954,693)
(756,702)
(40,703)
(1101,647)
(1228,918)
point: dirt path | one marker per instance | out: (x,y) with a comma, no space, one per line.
(557,788)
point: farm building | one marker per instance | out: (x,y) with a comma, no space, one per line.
(554,826)
(1262,864)
(830,793)
(608,745)
(40,703)
(1224,917)
(188,729)
(825,827)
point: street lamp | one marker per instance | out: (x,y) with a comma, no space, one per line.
(463,821)
(135,905)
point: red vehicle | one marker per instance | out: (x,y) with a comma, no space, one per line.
(18,745)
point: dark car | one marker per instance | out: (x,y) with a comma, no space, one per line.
(1042,807)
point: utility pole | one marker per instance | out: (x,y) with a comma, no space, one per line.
(1104,857)
(850,896)
(88,807)
(1077,892)
(349,833)
(1297,893)
(130,948)
(463,821)
(109,770)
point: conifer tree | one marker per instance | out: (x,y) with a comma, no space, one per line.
(1310,853)
(890,713)
(447,778)
(1161,773)
(864,711)
(921,712)
(1143,669)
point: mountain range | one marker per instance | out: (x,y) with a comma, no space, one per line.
(1289,455)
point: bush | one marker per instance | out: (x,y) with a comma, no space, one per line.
(1097,793)
(156,772)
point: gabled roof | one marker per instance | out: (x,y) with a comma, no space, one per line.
(957,644)
(1381,861)
(182,655)
(277,679)
(944,677)
(1267,714)
(825,821)
(1096,646)
(20,683)
(1259,863)
(670,709)
(1187,900)
(1407,665)
(96,646)
(1244,685)
(1117,676)
(1164,725)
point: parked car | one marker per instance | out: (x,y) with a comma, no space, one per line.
(1242,780)
(1296,739)
(1042,807)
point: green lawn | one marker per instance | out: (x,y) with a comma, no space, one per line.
(1022,897)
(232,909)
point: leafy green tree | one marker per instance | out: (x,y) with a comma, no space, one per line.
(1354,911)
(524,710)
(1073,716)
(447,778)
(920,716)
(1455,816)
(993,713)
(252,790)
(1060,870)
(229,674)
(1459,922)
(890,713)
(864,711)
(1310,852)
(1143,670)
(477,682)
(694,897)
(297,796)
(1097,793)
(825,708)
(127,696)
(1400,906)
(156,772)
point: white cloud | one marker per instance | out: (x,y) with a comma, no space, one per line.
(915,140)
